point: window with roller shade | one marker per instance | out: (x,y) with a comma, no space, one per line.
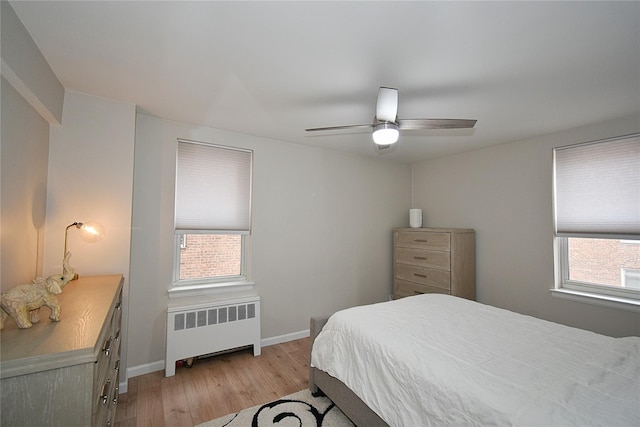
(597,219)
(212,214)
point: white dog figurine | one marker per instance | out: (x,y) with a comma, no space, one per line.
(24,301)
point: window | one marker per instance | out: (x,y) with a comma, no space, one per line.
(597,220)
(212,217)
(631,278)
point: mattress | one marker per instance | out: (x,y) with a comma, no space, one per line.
(441,360)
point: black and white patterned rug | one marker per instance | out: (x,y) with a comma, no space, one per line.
(300,409)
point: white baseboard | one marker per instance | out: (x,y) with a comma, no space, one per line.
(285,338)
(148,368)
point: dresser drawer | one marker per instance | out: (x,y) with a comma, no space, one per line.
(104,402)
(423,258)
(106,368)
(424,276)
(403,288)
(116,318)
(423,240)
(102,365)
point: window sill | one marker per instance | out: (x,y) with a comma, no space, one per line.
(598,299)
(186,291)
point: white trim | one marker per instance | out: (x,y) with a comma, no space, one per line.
(285,338)
(210,289)
(597,299)
(144,369)
(615,297)
(230,298)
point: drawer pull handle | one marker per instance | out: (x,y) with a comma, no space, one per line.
(422,258)
(106,348)
(116,393)
(104,394)
(420,275)
(421,240)
(117,366)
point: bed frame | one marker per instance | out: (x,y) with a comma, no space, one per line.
(321,383)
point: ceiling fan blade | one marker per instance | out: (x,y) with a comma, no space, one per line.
(338,127)
(415,124)
(387,105)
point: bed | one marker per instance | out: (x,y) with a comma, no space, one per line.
(435,359)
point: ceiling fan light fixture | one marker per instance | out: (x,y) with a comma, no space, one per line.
(385,133)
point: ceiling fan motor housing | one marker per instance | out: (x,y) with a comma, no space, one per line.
(385,133)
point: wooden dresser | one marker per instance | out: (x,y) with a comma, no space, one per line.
(65,373)
(434,260)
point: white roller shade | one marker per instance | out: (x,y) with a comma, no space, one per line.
(213,188)
(597,188)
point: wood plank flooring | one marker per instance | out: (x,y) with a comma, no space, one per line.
(215,386)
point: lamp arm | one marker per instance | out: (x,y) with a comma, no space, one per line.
(66,232)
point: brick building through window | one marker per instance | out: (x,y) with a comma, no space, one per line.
(210,255)
(604,261)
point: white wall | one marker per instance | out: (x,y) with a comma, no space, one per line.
(321,233)
(24,153)
(505,193)
(27,70)
(91,179)
(32,98)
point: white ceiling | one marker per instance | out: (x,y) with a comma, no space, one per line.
(272,69)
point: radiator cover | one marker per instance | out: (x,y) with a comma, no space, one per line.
(195,329)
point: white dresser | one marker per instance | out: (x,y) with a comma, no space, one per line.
(434,260)
(65,373)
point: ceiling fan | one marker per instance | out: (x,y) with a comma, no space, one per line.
(387,126)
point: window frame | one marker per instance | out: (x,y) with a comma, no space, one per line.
(211,285)
(591,293)
(626,298)
(205,286)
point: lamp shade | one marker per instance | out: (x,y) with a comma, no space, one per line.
(91,232)
(385,133)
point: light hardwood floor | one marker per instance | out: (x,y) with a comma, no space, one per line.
(215,386)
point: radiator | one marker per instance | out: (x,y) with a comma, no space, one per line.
(201,328)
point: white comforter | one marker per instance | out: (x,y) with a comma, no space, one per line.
(441,360)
